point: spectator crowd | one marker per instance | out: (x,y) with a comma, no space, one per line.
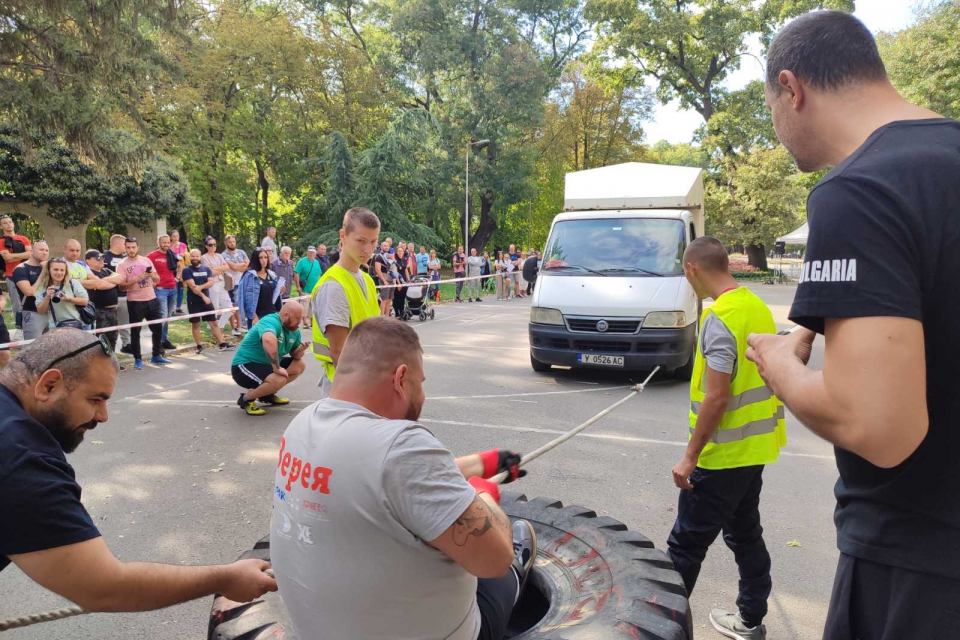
(128,284)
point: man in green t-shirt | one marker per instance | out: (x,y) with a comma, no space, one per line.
(306,274)
(269,358)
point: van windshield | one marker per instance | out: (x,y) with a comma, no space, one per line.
(621,246)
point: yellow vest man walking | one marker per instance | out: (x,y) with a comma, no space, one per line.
(736,427)
(344,295)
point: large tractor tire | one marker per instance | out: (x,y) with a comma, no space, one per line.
(593,580)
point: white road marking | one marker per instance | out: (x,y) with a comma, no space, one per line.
(142,400)
(596,436)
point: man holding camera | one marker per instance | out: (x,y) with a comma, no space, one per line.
(139,280)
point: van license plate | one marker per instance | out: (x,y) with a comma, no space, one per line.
(608,361)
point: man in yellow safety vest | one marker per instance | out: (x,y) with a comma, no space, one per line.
(344,295)
(736,427)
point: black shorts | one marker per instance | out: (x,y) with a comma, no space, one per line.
(252,374)
(200,307)
(4,334)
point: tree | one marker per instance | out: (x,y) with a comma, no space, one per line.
(922,61)
(75,68)
(594,118)
(683,154)
(760,199)
(483,69)
(74,192)
(690,47)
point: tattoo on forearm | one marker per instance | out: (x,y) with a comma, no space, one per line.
(475,522)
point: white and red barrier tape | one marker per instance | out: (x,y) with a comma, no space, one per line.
(219,312)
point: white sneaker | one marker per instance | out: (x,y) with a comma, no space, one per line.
(236,332)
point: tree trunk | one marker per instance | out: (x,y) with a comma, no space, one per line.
(487,225)
(757,256)
(264,194)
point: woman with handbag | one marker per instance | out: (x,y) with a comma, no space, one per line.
(63,296)
(255,293)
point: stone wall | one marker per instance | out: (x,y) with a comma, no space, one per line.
(55,235)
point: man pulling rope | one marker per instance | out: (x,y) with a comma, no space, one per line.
(50,396)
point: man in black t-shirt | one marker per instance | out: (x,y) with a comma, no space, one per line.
(197,278)
(879,281)
(105,296)
(50,396)
(111,259)
(25,277)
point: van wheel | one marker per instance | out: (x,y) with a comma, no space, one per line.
(538,366)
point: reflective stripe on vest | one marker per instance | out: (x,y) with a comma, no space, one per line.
(750,396)
(755,428)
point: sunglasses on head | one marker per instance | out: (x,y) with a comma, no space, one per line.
(61,260)
(102,341)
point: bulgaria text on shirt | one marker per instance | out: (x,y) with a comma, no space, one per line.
(840,270)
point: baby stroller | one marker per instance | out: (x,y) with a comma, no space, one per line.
(417,300)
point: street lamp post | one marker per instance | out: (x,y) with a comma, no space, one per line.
(466,208)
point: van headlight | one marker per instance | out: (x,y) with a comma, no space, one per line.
(665,320)
(540,315)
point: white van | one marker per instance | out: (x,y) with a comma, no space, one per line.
(611,292)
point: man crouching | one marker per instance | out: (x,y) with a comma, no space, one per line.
(377,531)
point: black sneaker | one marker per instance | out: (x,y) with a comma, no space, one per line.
(225,346)
(166,344)
(479,300)
(525,550)
(127,349)
(199,348)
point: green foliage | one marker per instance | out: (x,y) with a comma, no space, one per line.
(923,61)
(75,192)
(759,199)
(74,68)
(683,154)
(690,47)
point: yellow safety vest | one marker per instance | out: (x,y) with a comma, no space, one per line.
(361,308)
(752,429)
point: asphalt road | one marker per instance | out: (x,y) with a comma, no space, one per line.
(180,475)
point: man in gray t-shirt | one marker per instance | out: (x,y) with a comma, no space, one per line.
(378,532)
(718,346)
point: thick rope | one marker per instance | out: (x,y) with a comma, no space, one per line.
(536,453)
(49,616)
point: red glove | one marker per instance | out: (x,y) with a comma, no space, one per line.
(485,486)
(498,460)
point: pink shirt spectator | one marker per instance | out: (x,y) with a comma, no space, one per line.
(142,291)
(179,249)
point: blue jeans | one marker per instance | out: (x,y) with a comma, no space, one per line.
(179,294)
(167,298)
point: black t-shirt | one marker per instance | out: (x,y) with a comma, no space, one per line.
(199,275)
(106,297)
(29,273)
(884,239)
(39,494)
(110,262)
(265,304)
